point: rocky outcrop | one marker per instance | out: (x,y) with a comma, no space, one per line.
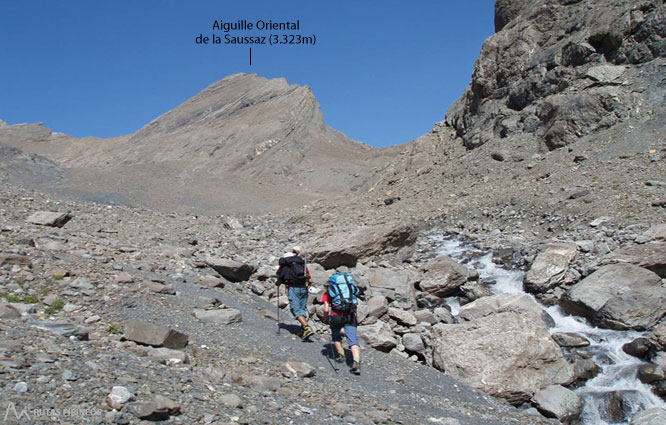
(619,296)
(558,70)
(507,352)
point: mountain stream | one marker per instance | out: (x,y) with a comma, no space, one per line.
(611,397)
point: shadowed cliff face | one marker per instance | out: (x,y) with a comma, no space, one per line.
(556,71)
(244,144)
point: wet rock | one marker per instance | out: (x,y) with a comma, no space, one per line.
(654,416)
(570,340)
(549,267)
(49,218)
(155,335)
(221,316)
(555,401)
(640,347)
(618,296)
(650,372)
(584,369)
(472,291)
(231,270)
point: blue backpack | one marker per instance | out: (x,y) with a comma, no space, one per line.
(343,293)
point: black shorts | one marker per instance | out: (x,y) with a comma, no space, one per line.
(338,321)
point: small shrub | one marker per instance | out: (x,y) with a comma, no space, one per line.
(58,277)
(54,308)
(30,299)
(11,298)
(114,329)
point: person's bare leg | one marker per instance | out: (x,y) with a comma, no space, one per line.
(302,321)
(356,353)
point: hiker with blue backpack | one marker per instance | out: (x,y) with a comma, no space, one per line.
(294,273)
(340,300)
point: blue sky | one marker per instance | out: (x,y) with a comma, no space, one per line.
(383,71)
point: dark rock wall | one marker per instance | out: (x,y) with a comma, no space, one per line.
(559,70)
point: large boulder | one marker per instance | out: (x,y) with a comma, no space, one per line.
(507,352)
(377,335)
(443,276)
(155,335)
(347,248)
(618,296)
(502,302)
(651,256)
(234,271)
(549,267)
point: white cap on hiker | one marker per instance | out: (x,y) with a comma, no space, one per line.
(296,250)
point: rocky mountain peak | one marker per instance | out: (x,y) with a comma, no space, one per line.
(261,143)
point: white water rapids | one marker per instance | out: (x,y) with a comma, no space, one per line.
(617,375)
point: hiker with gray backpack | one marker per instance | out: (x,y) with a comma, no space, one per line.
(340,300)
(294,273)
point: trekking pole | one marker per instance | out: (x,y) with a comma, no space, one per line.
(277,306)
(330,344)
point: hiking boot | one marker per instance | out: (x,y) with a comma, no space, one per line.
(355,368)
(307,333)
(340,358)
